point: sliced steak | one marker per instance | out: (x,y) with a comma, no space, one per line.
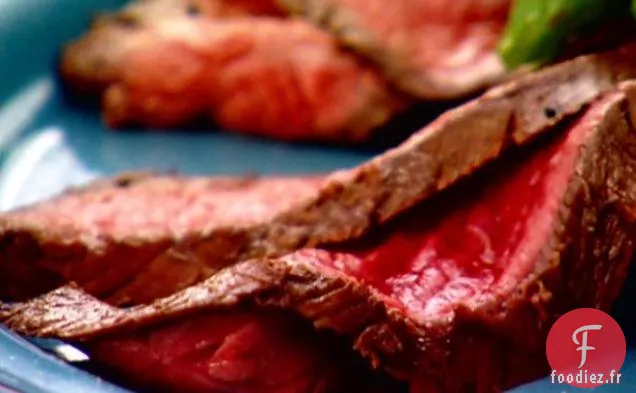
(455,295)
(86,234)
(237,351)
(91,64)
(283,79)
(155,67)
(347,205)
(432,49)
(225,352)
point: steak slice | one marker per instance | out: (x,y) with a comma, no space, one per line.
(91,64)
(455,295)
(159,67)
(238,351)
(86,234)
(346,206)
(432,49)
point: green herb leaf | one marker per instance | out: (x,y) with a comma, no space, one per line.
(538,30)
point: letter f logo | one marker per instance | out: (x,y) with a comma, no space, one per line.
(583,345)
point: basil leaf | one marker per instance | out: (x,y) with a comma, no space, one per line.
(537,30)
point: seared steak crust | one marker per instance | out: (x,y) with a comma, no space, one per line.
(103,235)
(345,206)
(575,257)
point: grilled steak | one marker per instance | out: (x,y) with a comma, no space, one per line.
(238,351)
(432,49)
(457,293)
(91,235)
(91,64)
(159,67)
(77,247)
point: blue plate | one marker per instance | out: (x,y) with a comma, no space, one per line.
(47,145)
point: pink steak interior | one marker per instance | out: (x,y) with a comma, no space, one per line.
(480,237)
(241,351)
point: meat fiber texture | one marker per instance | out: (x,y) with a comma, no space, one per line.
(244,350)
(113,241)
(171,63)
(90,233)
(431,49)
(456,294)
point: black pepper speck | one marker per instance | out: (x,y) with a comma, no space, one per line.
(549,113)
(193,10)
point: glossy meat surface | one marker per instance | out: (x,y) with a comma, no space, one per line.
(343,206)
(413,313)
